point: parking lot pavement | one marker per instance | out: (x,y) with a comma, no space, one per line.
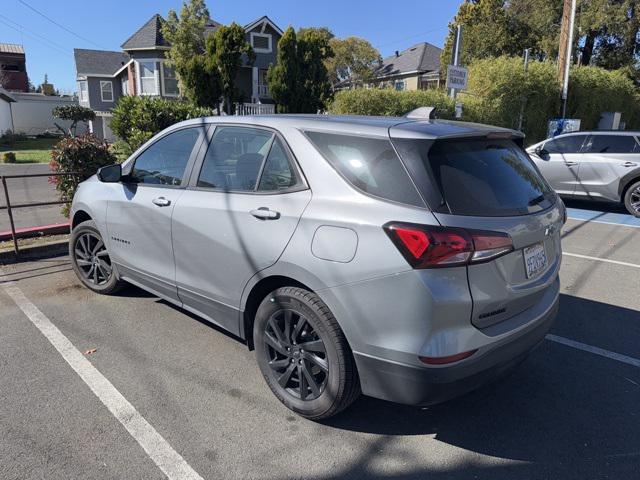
(567,412)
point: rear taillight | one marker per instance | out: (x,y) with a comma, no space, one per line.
(426,246)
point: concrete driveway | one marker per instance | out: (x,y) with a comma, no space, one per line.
(571,411)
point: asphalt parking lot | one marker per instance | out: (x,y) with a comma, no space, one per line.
(572,410)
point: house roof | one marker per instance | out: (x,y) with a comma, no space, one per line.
(263,19)
(149,36)
(98,62)
(422,57)
(11,48)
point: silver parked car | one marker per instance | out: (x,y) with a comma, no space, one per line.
(600,165)
(410,260)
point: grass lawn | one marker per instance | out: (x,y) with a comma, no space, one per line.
(31,150)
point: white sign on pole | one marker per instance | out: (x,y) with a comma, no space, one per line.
(457,77)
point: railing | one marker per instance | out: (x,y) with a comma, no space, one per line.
(263,90)
(255,109)
(10,207)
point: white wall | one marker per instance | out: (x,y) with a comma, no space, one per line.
(32,113)
(5,116)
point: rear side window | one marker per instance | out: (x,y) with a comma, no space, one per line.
(569,144)
(489,178)
(612,144)
(369,164)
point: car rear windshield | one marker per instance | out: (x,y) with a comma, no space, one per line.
(369,164)
(479,177)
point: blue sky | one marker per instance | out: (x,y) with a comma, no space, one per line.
(389,26)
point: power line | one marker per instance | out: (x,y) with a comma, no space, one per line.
(32,33)
(46,43)
(59,25)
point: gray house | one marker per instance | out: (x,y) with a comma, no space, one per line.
(141,69)
(415,68)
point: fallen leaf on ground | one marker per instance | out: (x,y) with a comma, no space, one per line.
(90,351)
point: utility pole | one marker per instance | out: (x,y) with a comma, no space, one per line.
(524,97)
(564,53)
(456,55)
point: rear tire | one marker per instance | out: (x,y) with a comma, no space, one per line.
(303,354)
(90,259)
(632,199)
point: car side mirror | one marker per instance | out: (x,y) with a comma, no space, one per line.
(110,173)
(541,152)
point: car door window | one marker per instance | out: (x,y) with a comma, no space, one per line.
(568,144)
(612,144)
(234,158)
(278,172)
(165,161)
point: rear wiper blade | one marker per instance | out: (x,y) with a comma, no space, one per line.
(536,200)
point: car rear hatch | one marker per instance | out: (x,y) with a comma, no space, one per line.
(482,182)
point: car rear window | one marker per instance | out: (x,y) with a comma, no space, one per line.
(369,164)
(480,177)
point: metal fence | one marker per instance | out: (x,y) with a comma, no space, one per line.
(9,207)
(255,109)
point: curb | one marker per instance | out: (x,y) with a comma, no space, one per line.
(31,232)
(45,250)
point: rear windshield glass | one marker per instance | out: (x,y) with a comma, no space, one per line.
(369,164)
(483,178)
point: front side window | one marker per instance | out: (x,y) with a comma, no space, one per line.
(106,91)
(612,144)
(164,162)
(234,158)
(169,79)
(148,78)
(84,92)
(369,164)
(568,144)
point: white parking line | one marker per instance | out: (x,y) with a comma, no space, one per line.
(157,448)
(595,350)
(597,259)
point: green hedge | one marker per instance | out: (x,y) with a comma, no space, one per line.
(390,102)
(496,91)
(137,119)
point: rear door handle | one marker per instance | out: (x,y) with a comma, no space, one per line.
(161,202)
(263,213)
(629,164)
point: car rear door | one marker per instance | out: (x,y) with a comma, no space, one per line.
(243,204)
(139,212)
(559,162)
(607,158)
(490,185)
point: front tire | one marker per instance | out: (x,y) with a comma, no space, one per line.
(90,259)
(303,354)
(632,199)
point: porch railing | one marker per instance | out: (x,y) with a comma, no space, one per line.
(255,109)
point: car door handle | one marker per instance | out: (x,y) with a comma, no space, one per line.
(263,213)
(161,202)
(570,164)
(629,164)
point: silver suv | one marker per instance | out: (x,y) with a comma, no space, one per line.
(597,165)
(408,260)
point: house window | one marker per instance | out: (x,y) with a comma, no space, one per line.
(84,92)
(170,82)
(261,42)
(400,85)
(148,84)
(106,90)
(124,83)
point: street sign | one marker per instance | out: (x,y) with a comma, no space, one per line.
(457,77)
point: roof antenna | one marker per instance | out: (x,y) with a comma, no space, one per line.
(422,113)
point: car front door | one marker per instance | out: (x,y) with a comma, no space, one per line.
(607,158)
(235,219)
(559,161)
(139,211)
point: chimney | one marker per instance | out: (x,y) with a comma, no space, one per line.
(397,53)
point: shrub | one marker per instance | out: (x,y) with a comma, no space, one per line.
(390,102)
(73,114)
(137,119)
(82,155)
(9,139)
(9,157)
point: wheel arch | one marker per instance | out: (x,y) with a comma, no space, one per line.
(626,181)
(80,216)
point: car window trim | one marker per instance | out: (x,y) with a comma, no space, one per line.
(197,146)
(635,139)
(198,164)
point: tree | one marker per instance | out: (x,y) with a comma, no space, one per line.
(283,76)
(313,50)
(197,76)
(74,114)
(226,49)
(46,88)
(354,58)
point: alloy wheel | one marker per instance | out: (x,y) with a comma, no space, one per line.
(92,259)
(297,354)
(634,199)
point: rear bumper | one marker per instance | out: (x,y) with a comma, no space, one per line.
(413,385)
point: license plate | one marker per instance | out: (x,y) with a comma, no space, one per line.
(535,259)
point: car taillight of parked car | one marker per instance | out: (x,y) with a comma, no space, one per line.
(426,246)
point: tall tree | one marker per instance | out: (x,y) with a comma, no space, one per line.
(313,50)
(354,58)
(283,76)
(227,48)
